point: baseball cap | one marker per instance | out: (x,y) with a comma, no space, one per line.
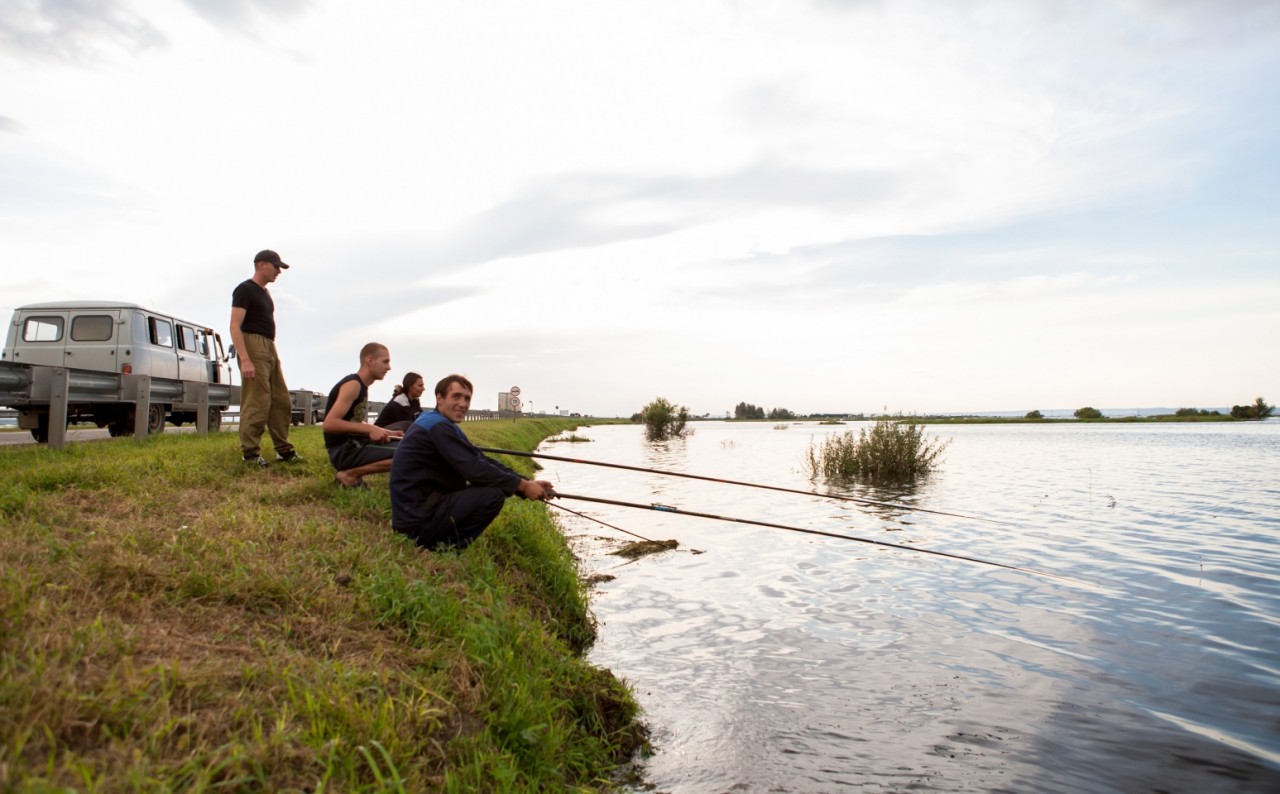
(269,256)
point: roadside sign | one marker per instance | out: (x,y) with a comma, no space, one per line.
(515,391)
(515,403)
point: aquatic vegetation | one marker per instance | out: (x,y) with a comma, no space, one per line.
(889,451)
(645,547)
(663,420)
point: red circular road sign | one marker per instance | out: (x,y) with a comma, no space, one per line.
(515,391)
(515,403)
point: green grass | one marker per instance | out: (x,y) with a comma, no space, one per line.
(173,621)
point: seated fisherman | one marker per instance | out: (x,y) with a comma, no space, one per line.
(357,448)
(444,491)
(403,407)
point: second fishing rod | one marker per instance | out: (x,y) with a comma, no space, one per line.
(839,497)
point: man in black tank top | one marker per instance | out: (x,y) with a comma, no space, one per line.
(264,397)
(357,448)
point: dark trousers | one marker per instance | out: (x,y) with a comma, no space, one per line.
(459,518)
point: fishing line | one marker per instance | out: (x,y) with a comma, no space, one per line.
(669,509)
(602,523)
(632,550)
(736,482)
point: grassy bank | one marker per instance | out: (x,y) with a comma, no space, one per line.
(173,621)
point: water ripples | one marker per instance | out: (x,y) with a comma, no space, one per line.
(781,661)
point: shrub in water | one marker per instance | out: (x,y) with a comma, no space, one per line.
(888,452)
(663,420)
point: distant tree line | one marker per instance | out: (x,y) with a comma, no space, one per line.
(745,410)
(1259,410)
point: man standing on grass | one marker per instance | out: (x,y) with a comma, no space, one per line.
(355,447)
(444,491)
(264,397)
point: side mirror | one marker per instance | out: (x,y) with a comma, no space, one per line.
(231,352)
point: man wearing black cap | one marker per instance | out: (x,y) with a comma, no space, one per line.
(264,397)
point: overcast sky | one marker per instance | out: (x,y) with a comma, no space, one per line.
(825,206)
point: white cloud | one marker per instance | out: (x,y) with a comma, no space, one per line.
(854,202)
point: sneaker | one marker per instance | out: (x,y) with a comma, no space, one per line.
(292,457)
(256,460)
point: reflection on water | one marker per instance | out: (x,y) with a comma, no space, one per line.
(779,661)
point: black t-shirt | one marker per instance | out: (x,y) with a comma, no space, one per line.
(399,409)
(259,309)
(358,412)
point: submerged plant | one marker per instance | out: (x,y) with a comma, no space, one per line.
(573,437)
(888,452)
(663,419)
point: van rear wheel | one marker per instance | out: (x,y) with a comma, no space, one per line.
(155,419)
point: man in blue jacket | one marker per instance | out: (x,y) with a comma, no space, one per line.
(444,491)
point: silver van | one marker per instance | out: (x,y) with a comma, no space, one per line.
(119,339)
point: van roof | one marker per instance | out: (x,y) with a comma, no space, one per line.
(81,305)
(73,305)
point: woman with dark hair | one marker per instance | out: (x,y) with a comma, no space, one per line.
(404,407)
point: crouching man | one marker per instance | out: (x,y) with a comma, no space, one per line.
(444,491)
(357,448)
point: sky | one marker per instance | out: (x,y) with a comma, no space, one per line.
(825,206)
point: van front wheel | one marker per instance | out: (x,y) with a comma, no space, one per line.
(41,432)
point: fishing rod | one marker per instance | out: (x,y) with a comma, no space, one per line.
(736,482)
(669,509)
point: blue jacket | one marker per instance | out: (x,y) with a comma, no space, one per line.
(433,459)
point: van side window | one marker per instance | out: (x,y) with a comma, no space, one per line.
(187,338)
(161,332)
(91,327)
(202,343)
(42,329)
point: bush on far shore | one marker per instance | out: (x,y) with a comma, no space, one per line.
(1259,410)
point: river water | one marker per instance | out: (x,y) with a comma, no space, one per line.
(776,661)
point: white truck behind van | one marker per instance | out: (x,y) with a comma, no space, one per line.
(102,346)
